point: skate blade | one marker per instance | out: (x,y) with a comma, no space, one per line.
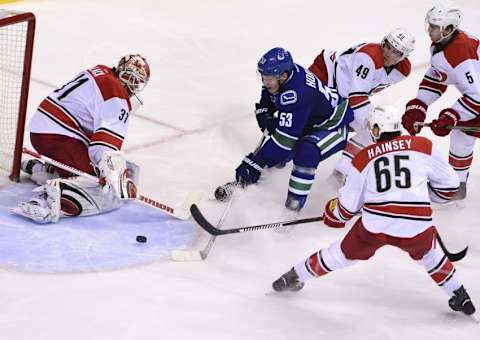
(474,318)
(448,206)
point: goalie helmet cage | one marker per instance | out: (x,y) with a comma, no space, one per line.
(17,30)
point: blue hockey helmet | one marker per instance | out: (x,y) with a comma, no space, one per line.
(275,62)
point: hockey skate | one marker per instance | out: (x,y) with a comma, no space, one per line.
(39,172)
(460,302)
(289,213)
(461,193)
(288,281)
(27,166)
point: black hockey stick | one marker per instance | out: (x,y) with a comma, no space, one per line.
(209,228)
(454,257)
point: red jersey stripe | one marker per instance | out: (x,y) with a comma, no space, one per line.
(51,108)
(107,138)
(401,209)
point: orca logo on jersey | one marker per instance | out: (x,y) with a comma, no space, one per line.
(288,97)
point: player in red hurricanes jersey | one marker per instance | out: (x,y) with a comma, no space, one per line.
(392,182)
(455,60)
(83,124)
(357,74)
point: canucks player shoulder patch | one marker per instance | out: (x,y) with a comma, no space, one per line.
(288,97)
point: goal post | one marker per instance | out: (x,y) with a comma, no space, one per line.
(17,30)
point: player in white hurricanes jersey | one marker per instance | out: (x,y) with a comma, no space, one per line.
(455,60)
(83,124)
(392,182)
(357,74)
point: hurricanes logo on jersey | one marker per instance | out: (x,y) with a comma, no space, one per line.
(440,76)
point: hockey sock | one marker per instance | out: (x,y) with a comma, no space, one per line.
(323,262)
(441,270)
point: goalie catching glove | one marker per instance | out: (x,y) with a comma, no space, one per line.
(113,171)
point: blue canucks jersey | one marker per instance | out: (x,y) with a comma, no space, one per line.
(304,106)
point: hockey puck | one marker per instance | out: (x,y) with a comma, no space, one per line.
(141,239)
(224,192)
(221,194)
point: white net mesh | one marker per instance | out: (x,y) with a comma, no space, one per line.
(12,52)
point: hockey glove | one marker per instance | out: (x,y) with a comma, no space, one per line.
(249,171)
(446,118)
(475,122)
(415,111)
(265,117)
(330,214)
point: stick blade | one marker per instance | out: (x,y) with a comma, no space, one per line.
(186,255)
(454,257)
(202,221)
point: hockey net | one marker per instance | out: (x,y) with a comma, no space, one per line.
(16,45)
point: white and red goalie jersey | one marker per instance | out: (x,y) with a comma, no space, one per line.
(94,108)
(358,73)
(393,183)
(458,64)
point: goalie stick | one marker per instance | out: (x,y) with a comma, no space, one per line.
(208,227)
(140,198)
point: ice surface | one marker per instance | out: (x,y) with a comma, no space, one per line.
(203,56)
(105,242)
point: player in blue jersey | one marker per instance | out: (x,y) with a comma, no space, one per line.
(312,124)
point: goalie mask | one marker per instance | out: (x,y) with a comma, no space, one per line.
(134,72)
(385,118)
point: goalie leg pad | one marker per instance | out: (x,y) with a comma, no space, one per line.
(133,171)
(80,197)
